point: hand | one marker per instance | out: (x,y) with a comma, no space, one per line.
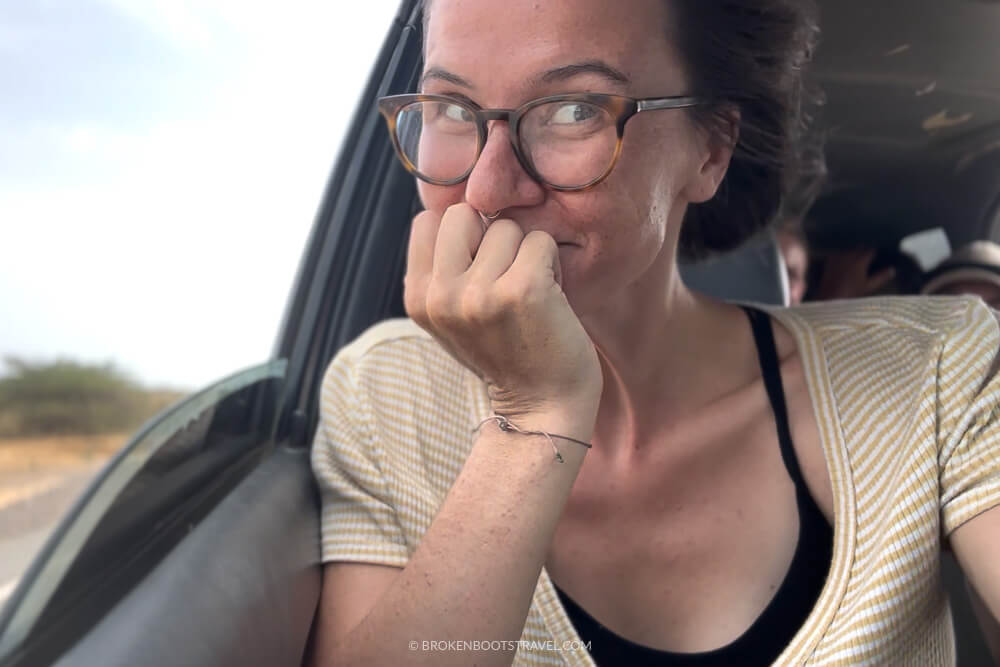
(493,299)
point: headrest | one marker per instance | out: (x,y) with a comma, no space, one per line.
(754,272)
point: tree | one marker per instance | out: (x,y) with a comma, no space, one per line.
(68,397)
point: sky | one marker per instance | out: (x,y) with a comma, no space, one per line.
(161,162)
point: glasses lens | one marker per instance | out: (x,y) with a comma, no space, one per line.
(439,139)
(569,143)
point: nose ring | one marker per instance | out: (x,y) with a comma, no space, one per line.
(490,216)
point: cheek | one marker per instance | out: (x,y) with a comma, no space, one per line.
(437,198)
(621,224)
(660,158)
(646,173)
(647,197)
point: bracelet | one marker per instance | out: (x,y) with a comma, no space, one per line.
(507,427)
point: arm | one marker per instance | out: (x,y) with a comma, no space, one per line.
(474,573)
(976,544)
(492,299)
(970,480)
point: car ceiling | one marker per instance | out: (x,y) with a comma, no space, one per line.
(912,118)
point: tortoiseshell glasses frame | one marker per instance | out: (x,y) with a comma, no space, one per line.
(620,109)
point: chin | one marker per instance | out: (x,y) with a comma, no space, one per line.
(584,296)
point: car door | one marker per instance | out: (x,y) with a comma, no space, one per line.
(198,543)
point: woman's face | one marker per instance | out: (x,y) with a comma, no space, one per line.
(501,55)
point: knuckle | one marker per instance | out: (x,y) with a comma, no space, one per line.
(440,305)
(538,236)
(523,292)
(506,226)
(510,295)
(461,220)
(412,285)
(542,240)
(476,307)
(415,308)
(413,295)
(425,218)
(534,292)
(436,298)
(461,210)
(411,302)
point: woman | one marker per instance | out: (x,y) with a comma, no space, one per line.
(674,483)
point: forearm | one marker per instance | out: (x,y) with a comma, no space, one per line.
(475,571)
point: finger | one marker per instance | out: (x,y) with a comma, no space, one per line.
(423,237)
(458,239)
(497,251)
(419,262)
(537,261)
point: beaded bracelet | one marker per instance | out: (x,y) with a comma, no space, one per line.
(507,427)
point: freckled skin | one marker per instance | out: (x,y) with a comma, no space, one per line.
(624,230)
(512,511)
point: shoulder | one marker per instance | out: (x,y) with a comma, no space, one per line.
(394,396)
(395,362)
(895,346)
(916,319)
(399,334)
(397,344)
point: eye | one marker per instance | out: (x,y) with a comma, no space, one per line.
(571,113)
(457,113)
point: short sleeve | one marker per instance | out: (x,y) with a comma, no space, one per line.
(969,418)
(358,522)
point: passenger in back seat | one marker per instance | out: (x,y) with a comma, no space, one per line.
(973,269)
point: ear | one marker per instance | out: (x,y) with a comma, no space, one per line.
(714,152)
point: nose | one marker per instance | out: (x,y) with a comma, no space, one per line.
(498,181)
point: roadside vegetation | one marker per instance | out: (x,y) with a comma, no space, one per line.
(68,398)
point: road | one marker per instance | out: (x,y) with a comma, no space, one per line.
(30,508)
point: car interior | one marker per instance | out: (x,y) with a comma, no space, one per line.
(199,543)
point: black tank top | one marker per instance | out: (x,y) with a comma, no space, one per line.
(768,636)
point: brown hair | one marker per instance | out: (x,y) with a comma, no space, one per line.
(748,56)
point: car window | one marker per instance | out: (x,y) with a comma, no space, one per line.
(160,170)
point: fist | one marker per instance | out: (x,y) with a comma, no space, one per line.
(492,298)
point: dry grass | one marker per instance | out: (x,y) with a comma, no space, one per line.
(49,453)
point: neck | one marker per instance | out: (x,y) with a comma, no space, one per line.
(666,352)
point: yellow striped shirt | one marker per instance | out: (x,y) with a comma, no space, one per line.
(906,400)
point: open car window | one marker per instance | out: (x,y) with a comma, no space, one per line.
(219,204)
(142,504)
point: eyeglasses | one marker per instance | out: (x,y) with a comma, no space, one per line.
(566,142)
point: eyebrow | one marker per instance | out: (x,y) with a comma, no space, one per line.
(551,76)
(444,75)
(598,67)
